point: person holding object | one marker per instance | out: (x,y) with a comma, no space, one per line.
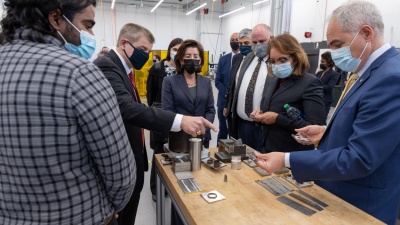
(359,151)
(288,84)
(64,154)
(132,52)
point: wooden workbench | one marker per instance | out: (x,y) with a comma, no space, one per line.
(247,202)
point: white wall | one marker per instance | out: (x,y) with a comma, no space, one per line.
(166,24)
(309,15)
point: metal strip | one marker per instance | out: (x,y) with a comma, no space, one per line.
(295,205)
(278,185)
(266,186)
(313,198)
(306,201)
(283,183)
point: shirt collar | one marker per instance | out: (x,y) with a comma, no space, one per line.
(127,69)
(27,34)
(373,57)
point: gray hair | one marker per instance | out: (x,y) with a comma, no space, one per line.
(134,32)
(246,32)
(353,14)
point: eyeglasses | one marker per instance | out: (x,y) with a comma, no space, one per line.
(280,60)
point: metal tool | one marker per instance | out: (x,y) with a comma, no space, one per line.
(306,201)
(321,203)
(261,171)
(295,205)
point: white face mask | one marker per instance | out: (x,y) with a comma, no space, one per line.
(172,54)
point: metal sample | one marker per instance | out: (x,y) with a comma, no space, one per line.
(261,171)
(289,178)
(295,205)
(283,183)
(313,198)
(306,201)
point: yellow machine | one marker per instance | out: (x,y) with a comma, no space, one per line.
(141,75)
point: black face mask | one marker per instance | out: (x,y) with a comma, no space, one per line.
(138,58)
(234,45)
(322,66)
(191,65)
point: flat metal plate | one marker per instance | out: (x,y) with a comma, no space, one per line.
(283,183)
(261,171)
(321,203)
(295,205)
(307,201)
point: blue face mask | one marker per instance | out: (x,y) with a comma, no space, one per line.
(88,43)
(343,58)
(260,50)
(138,57)
(244,50)
(282,70)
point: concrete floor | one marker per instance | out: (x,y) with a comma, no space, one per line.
(146,214)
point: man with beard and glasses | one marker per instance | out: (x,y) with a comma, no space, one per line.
(64,154)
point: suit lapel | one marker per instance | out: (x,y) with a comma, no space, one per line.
(183,86)
(388,54)
(285,86)
(271,82)
(127,82)
(249,58)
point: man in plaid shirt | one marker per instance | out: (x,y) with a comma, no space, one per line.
(64,154)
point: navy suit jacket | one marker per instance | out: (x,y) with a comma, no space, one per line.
(303,92)
(329,80)
(176,98)
(134,114)
(359,155)
(223,77)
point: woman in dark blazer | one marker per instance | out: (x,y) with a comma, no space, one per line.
(329,78)
(288,83)
(187,92)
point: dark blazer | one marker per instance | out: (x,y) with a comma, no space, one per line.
(303,92)
(134,114)
(232,127)
(176,98)
(234,90)
(222,78)
(329,81)
(154,83)
(359,153)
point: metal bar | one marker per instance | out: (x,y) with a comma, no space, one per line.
(307,201)
(295,205)
(313,198)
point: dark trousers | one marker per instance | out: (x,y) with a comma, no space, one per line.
(251,134)
(327,108)
(223,127)
(158,148)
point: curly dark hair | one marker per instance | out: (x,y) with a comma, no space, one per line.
(181,53)
(33,15)
(327,56)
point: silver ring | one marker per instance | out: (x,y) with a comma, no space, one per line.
(212,195)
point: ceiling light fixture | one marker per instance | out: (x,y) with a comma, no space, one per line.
(155,7)
(256,3)
(112,4)
(196,9)
(231,12)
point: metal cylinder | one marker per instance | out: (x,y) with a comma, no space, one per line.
(195,153)
(236,162)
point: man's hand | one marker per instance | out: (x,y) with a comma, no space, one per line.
(196,125)
(267,117)
(313,132)
(225,112)
(271,162)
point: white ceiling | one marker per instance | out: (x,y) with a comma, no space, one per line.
(185,5)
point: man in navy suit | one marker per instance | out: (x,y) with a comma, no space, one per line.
(359,151)
(222,82)
(244,48)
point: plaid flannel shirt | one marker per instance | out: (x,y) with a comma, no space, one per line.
(64,154)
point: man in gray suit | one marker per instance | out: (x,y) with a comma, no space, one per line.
(249,88)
